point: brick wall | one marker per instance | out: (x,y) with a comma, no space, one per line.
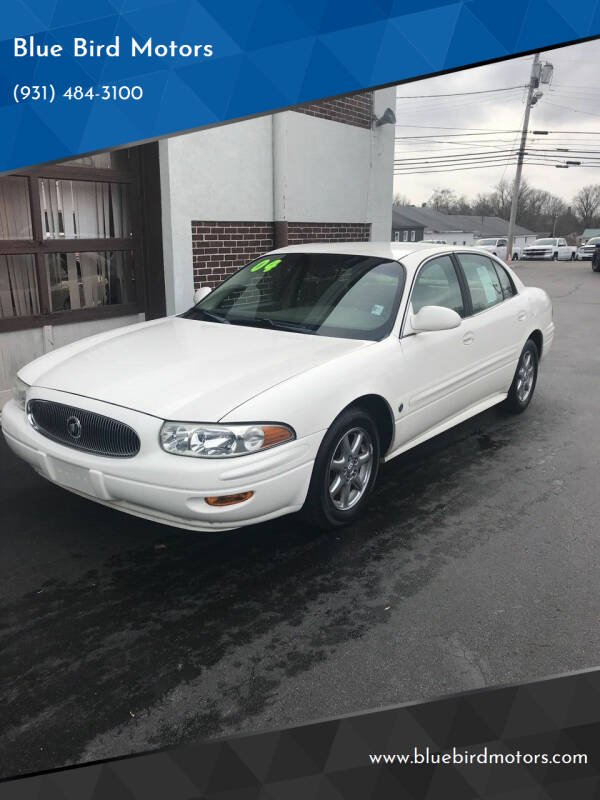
(356,109)
(219,248)
(299,232)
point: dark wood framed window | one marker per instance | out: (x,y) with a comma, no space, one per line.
(70,241)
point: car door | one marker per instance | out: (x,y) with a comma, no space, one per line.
(563,250)
(501,248)
(432,368)
(496,327)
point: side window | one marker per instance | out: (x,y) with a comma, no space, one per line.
(437,285)
(501,242)
(484,284)
(561,243)
(508,290)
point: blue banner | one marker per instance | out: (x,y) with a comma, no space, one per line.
(82,76)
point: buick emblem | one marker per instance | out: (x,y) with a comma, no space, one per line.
(74,427)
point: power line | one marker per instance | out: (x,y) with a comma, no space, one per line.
(455,128)
(480,166)
(458,94)
(569,108)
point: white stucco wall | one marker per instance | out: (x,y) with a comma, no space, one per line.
(335,172)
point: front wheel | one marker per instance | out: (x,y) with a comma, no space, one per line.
(573,256)
(345,471)
(555,257)
(523,385)
(515,257)
(596,265)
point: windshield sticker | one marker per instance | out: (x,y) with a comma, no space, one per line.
(266,265)
(376,310)
(260,265)
(272,265)
(491,293)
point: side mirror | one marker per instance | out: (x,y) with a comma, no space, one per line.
(201,293)
(434,318)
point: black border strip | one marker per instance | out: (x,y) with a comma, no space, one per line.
(321,721)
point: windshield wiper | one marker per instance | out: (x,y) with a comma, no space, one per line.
(209,315)
(267,322)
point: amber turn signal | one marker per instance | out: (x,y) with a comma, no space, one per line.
(228,499)
(275,434)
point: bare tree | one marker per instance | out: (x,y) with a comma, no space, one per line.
(586,203)
(446,201)
(401,200)
(554,208)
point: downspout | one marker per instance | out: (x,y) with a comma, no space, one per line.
(280,178)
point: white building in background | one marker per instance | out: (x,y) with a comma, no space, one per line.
(427,224)
(106,240)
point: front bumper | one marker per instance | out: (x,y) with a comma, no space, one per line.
(163,487)
(537,256)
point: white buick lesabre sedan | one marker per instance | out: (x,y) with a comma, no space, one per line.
(285,387)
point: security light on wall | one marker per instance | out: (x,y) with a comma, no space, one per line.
(387,118)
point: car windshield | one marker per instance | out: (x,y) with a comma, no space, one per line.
(545,241)
(484,242)
(594,240)
(326,294)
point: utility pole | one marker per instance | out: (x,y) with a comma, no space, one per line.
(534,82)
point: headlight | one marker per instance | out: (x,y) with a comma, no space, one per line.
(221,441)
(20,392)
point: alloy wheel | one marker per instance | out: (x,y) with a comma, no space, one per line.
(350,468)
(525,377)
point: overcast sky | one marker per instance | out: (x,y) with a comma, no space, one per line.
(570,103)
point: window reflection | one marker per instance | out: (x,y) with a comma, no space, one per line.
(15,214)
(18,286)
(115,159)
(84,209)
(86,280)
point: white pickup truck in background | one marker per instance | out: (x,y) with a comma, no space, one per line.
(554,249)
(498,247)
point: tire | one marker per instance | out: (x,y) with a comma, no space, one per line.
(515,257)
(596,265)
(519,396)
(573,256)
(555,257)
(324,508)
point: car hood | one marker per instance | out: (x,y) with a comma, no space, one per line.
(179,368)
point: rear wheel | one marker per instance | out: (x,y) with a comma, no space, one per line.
(596,265)
(344,472)
(515,257)
(523,385)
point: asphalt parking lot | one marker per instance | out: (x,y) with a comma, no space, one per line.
(476,564)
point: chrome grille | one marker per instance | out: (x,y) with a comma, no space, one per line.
(83,430)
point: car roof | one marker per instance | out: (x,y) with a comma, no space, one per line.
(395,251)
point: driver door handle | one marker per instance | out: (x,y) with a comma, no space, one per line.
(469,338)
(522,315)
